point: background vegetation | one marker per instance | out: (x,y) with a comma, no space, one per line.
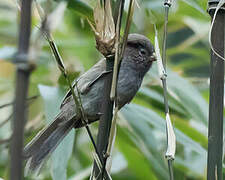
(141,140)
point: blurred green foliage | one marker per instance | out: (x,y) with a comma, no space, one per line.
(141,139)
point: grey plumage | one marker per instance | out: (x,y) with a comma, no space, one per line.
(138,57)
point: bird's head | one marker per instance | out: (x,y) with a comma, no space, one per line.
(140,50)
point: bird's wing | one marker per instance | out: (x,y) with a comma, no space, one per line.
(85,81)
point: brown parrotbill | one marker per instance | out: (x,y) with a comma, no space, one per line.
(137,60)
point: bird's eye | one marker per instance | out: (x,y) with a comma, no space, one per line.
(142,51)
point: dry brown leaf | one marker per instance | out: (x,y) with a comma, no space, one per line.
(104,28)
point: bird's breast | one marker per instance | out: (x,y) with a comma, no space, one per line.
(127,86)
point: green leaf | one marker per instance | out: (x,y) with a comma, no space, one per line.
(52,97)
(71,75)
(146,115)
(146,138)
(193,133)
(141,115)
(157,97)
(141,166)
(81,9)
(189,96)
(195,5)
(61,156)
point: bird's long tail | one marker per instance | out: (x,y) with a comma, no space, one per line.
(46,141)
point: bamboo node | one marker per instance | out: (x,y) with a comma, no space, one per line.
(23,63)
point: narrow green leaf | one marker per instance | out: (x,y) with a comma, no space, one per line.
(61,156)
(128,139)
(193,133)
(52,97)
(195,5)
(146,142)
(156,96)
(81,9)
(142,115)
(140,168)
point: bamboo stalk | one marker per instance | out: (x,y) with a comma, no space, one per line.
(106,118)
(107,107)
(216,100)
(170,135)
(22,83)
(171,138)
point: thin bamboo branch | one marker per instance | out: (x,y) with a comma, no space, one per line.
(170,135)
(5,141)
(11,103)
(119,53)
(11,115)
(127,26)
(118,57)
(6,120)
(171,139)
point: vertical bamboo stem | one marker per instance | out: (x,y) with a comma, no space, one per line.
(167,5)
(107,104)
(22,82)
(216,104)
(106,118)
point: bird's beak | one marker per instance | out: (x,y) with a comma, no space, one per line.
(153,57)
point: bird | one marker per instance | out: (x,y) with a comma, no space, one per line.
(139,55)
